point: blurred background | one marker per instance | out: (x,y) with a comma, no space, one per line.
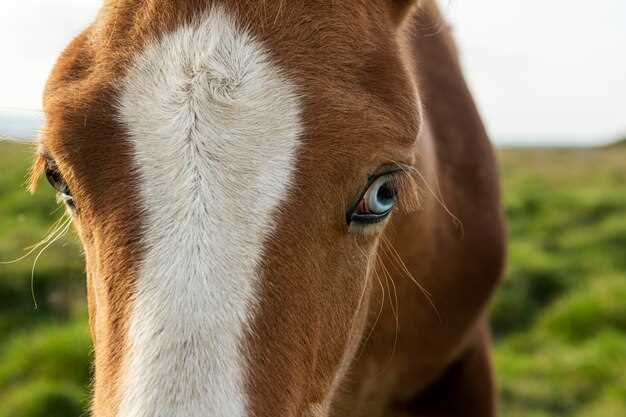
(550,80)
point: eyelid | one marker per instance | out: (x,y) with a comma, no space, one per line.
(384,170)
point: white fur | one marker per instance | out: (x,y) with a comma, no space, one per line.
(215,128)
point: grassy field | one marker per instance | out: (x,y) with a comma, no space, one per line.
(559,319)
(560,316)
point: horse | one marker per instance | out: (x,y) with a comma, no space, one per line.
(287,209)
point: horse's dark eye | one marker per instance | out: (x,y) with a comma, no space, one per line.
(57,182)
(55,179)
(376,203)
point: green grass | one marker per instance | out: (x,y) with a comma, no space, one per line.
(44,352)
(559,318)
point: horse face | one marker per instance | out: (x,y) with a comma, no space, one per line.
(230,173)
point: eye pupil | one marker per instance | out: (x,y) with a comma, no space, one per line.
(380,197)
(58,183)
(54,178)
(386,194)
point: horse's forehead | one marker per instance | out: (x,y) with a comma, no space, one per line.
(341,68)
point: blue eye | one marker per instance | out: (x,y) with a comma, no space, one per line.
(376,203)
(380,196)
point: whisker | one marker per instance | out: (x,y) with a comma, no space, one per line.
(57,225)
(409,275)
(396,314)
(380,311)
(387,274)
(66,227)
(362,296)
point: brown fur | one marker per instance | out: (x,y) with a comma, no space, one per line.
(320,344)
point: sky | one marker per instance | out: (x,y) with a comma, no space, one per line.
(542,72)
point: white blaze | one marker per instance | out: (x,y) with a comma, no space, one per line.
(214,127)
